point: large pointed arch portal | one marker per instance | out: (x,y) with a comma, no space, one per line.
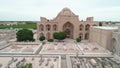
(68,28)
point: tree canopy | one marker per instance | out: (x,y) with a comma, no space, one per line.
(42,38)
(24,35)
(59,35)
(100,23)
(78,39)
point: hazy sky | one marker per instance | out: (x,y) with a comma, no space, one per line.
(25,10)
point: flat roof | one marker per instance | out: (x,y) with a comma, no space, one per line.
(107,27)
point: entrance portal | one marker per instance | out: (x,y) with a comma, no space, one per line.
(68,28)
(67,33)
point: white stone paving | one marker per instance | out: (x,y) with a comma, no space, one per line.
(59,47)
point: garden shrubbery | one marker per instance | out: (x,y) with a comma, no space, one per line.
(50,40)
(78,39)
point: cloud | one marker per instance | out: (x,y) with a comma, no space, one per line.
(33,9)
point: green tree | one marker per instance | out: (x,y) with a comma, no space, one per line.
(50,40)
(107,22)
(100,23)
(59,35)
(78,39)
(24,35)
(113,23)
(29,65)
(42,38)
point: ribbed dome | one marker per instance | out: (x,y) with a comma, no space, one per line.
(27,50)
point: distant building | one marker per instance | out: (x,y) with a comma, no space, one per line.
(22,22)
(8,23)
(66,21)
(12,22)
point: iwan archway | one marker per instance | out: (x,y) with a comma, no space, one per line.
(68,28)
(114,46)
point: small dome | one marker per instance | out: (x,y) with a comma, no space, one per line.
(27,50)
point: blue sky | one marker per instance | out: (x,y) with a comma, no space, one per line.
(31,10)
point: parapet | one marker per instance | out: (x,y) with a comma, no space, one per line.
(43,19)
(89,19)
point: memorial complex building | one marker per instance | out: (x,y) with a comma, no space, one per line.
(106,36)
(99,46)
(68,22)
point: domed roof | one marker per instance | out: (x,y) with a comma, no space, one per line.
(66,12)
(66,8)
(27,49)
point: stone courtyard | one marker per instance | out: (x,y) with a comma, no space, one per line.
(92,48)
(93,62)
(37,61)
(20,47)
(59,48)
(64,54)
(58,54)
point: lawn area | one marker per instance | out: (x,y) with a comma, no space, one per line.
(24,26)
